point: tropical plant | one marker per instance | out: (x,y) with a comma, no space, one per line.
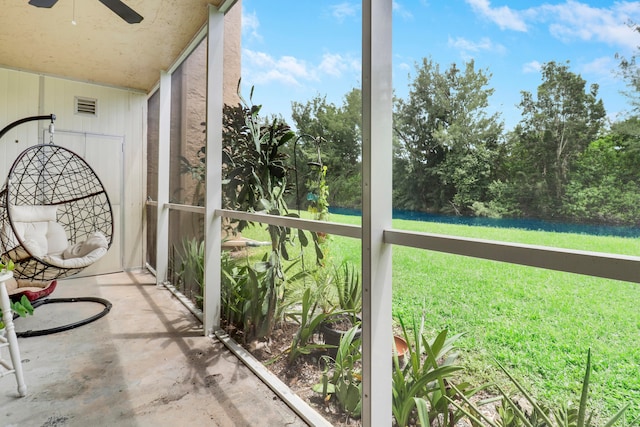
(348,287)
(336,287)
(22,308)
(319,194)
(232,293)
(565,415)
(309,319)
(342,375)
(424,381)
(256,181)
(242,296)
(191,271)
(246,294)
(6,266)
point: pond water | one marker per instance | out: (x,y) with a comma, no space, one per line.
(526,224)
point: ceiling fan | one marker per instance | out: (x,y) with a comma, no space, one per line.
(117,6)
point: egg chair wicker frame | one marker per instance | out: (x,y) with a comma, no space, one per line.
(51,175)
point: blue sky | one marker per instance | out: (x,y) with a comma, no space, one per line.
(294,50)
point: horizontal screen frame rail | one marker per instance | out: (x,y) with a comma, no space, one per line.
(598,264)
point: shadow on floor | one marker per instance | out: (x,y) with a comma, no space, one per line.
(146,363)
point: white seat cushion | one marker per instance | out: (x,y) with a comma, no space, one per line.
(46,239)
(80,262)
(94,241)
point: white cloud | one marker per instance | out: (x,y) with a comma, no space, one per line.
(467,47)
(573,20)
(250,25)
(344,10)
(294,67)
(335,65)
(601,70)
(531,67)
(628,7)
(332,64)
(401,11)
(602,66)
(404,66)
(261,68)
(505,17)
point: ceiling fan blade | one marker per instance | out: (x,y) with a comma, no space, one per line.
(123,11)
(43,3)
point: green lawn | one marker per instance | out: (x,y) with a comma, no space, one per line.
(538,323)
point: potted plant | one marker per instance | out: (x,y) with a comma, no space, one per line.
(401,348)
(22,308)
(342,374)
(348,286)
(336,325)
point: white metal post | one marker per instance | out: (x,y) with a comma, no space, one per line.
(10,339)
(377,97)
(164,147)
(213,223)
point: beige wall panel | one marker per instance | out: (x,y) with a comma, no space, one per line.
(120,113)
(232,54)
(18,99)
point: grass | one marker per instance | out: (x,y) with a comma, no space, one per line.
(538,323)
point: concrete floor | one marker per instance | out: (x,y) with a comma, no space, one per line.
(146,363)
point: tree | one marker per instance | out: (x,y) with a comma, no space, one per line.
(556,127)
(630,72)
(605,186)
(336,131)
(446,141)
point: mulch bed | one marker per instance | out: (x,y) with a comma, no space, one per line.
(300,375)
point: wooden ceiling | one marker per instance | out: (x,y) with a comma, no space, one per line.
(100,47)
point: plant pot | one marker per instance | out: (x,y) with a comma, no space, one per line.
(402,348)
(335,327)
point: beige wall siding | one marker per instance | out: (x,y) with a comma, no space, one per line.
(18,99)
(232,53)
(120,113)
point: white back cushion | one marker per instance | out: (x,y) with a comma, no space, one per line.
(56,238)
(33,213)
(37,227)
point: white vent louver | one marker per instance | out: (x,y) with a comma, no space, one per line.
(88,106)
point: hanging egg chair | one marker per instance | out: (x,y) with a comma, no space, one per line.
(55,217)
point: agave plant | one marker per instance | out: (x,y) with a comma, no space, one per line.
(342,376)
(424,383)
(562,416)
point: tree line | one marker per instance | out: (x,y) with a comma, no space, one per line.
(563,159)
